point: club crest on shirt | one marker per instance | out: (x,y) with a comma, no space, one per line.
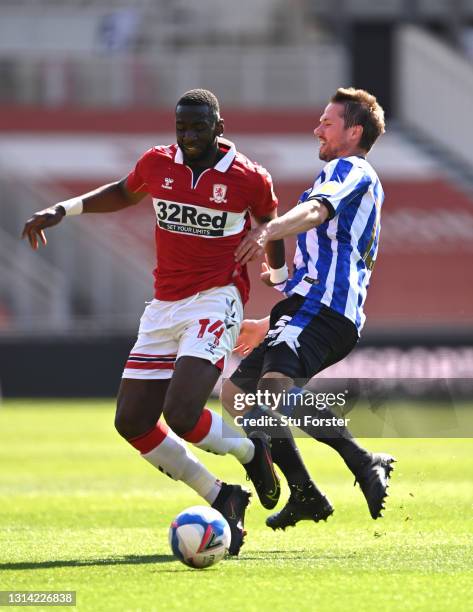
(167,183)
(219,193)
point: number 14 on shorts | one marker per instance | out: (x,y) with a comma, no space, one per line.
(211,327)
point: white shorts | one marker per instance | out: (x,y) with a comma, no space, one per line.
(204,325)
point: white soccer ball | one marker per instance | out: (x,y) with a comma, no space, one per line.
(199,536)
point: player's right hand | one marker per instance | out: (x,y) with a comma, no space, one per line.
(40,221)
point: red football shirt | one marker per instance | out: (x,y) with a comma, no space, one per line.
(199,223)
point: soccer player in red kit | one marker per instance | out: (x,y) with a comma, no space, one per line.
(203,191)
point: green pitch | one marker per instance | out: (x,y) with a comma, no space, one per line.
(81,511)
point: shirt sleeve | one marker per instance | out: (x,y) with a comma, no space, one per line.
(343,183)
(136,179)
(264,198)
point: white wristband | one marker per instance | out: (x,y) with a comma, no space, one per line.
(74,206)
(278,276)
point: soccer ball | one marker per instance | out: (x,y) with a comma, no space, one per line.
(199,536)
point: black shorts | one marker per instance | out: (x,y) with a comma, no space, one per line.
(325,337)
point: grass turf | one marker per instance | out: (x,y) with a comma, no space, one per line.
(80,510)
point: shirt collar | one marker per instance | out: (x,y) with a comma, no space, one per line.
(222,165)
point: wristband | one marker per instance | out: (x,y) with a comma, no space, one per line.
(279,275)
(74,206)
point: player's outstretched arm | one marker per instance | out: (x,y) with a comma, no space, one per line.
(108,198)
(301,218)
(252,333)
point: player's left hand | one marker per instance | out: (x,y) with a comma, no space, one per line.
(252,245)
(252,333)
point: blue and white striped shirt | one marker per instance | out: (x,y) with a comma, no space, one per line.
(333,262)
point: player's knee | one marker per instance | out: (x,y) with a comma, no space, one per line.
(122,425)
(125,424)
(130,422)
(274,382)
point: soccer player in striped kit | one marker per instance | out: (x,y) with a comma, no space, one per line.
(337,223)
(203,192)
